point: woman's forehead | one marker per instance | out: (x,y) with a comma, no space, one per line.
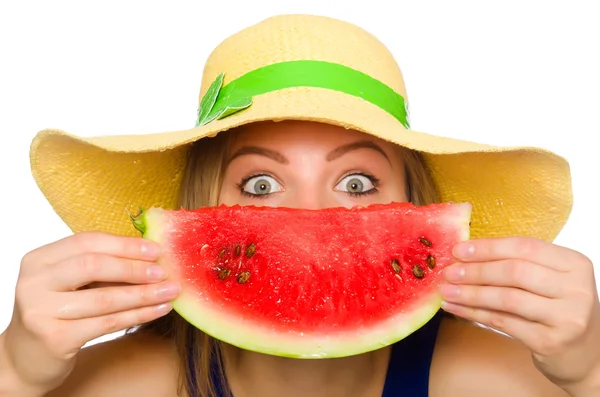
(289,133)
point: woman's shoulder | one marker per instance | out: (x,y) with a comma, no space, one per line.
(134,364)
(470,360)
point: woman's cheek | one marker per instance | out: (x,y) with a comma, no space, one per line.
(347,200)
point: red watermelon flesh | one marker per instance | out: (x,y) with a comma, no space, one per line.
(308,283)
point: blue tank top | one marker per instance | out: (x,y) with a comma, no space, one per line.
(410,361)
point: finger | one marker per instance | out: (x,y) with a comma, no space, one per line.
(102,301)
(509,300)
(528,276)
(94,242)
(530,249)
(94,327)
(530,333)
(84,269)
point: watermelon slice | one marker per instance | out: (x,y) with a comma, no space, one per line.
(308,283)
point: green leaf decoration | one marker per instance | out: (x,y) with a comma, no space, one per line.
(406,122)
(208,101)
(234,107)
(207,111)
(227,109)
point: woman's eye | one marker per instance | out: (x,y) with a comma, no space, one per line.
(260,185)
(355,184)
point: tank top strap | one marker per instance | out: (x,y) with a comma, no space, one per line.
(410,361)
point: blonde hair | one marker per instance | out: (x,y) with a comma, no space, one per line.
(200,353)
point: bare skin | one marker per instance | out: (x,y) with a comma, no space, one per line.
(301,165)
(468,361)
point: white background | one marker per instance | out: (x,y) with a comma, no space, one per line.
(506,73)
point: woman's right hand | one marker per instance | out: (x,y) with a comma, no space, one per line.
(75,290)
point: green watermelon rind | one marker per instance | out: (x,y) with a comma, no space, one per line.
(255,338)
(244,334)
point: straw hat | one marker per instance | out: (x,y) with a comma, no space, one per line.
(305,68)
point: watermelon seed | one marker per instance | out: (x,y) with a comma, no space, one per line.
(221,253)
(430,261)
(396,266)
(243,277)
(418,271)
(424,241)
(250,250)
(223,274)
(238,249)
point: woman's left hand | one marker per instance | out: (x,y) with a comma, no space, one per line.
(539,293)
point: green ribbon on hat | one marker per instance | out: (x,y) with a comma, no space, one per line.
(220,102)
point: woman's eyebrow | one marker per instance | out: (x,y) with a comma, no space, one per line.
(272,154)
(340,151)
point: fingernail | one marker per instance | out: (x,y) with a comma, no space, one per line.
(168,290)
(449,307)
(164,308)
(454,273)
(150,250)
(464,250)
(449,290)
(156,273)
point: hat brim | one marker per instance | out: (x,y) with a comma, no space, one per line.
(91,183)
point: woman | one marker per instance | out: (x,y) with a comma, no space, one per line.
(329,85)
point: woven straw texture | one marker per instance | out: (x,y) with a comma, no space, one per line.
(92,182)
